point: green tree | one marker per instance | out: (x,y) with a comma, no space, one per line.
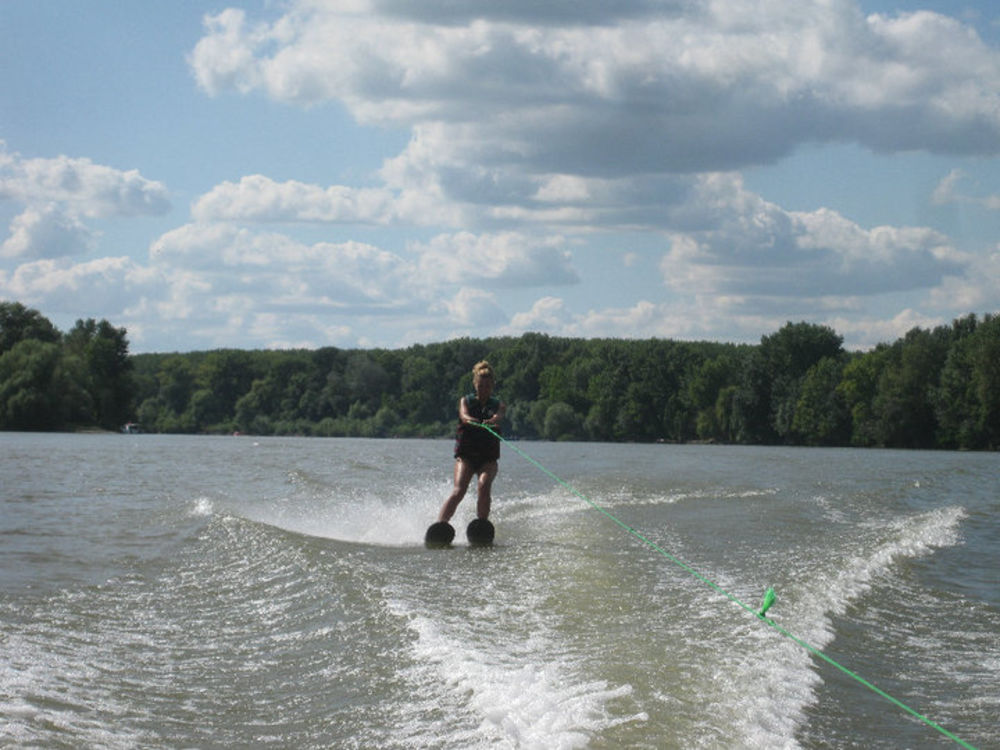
(931,388)
(967,401)
(177,378)
(821,416)
(749,418)
(986,376)
(37,390)
(857,388)
(19,323)
(420,389)
(604,390)
(255,408)
(703,388)
(365,379)
(519,365)
(724,414)
(104,351)
(956,399)
(385,421)
(519,419)
(903,405)
(562,423)
(788,355)
(223,377)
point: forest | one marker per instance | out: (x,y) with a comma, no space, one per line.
(937,388)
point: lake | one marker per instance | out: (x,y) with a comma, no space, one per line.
(191,591)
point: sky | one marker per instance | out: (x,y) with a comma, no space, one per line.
(382,173)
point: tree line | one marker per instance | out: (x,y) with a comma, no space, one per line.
(937,388)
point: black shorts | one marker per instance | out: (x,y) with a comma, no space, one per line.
(478,463)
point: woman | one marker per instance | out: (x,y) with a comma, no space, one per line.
(476,449)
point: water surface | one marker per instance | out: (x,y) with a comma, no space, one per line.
(176,591)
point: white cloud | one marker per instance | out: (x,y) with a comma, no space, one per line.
(865,332)
(541,133)
(563,188)
(751,248)
(284,271)
(534,122)
(507,259)
(81,187)
(546,314)
(471,308)
(60,193)
(257,198)
(976,289)
(296,331)
(101,287)
(948,191)
(643,319)
(650,88)
(46,231)
(217,245)
(224,59)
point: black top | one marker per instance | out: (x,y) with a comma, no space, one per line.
(473,442)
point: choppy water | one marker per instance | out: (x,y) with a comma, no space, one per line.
(167,591)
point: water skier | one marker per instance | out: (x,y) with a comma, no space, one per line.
(476,450)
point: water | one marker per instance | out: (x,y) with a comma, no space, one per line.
(169,591)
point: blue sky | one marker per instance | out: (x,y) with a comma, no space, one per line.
(381,173)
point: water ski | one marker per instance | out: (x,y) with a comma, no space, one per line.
(480,532)
(439,534)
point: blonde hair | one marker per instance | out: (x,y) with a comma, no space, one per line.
(480,369)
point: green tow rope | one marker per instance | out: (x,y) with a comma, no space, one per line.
(768,601)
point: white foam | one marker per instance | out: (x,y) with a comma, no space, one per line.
(761,684)
(562,500)
(370,520)
(768,694)
(203,506)
(48,692)
(905,538)
(520,697)
(360,517)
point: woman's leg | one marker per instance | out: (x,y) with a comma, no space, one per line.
(463,474)
(485,489)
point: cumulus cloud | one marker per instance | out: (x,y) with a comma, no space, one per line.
(533,120)
(60,194)
(257,198)
(471,308)
(629,88)
(546,314)
(536,129)
(643,319)
(865,332)
(950,190)
(359,273)
(104,284)
(80,186)
(219,245)
(508,259)
(745,246)
(976,288)
(253,279)
(46,231)
(278,268)
(224,59)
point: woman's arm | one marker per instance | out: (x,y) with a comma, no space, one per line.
(463,412)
